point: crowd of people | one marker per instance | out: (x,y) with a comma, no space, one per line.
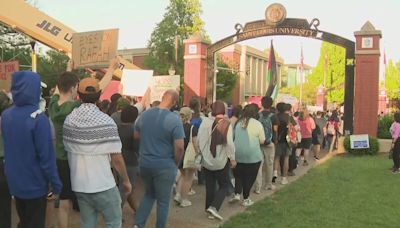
(87,154)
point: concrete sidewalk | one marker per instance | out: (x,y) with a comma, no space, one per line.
(194,216)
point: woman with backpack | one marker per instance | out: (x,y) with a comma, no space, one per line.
(332,127)
(307,125)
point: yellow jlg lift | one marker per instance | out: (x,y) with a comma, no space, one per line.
(26,19)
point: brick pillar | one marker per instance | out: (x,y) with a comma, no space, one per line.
(320,96)
(366,84)
(195,67)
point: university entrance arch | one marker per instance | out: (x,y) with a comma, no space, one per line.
(200,62)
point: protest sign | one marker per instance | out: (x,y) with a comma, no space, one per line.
(94,49)
(6,71)
(135,82)
(160,84)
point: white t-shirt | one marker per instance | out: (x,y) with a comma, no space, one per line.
(90,174)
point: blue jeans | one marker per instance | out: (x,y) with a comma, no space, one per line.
(158,186)
(108,203)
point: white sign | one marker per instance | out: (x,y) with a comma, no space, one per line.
(367,42)
(160,84)
(135,82)
(359,142)
(192,49)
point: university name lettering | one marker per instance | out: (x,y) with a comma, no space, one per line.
(277,31)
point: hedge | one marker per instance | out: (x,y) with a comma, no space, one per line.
(372,150)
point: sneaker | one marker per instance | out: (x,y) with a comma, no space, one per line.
(271,187)
(191,192)
(235,198)
(257,190)
(247,202)
(214,213)
(316,158)
(178,198)
(185,203)
(291,174)
(284,181)
(305,163)
(395,171)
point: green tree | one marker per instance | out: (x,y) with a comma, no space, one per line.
(181,20)
(393,80)
(51,65)
(335,76)
(226,80)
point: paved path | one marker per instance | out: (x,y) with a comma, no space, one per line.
(195,215)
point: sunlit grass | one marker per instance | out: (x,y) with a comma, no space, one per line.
(344,192)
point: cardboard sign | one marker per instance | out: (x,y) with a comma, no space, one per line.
(359,141)
(135,82)
(94,49)
(160,84)
(6,71)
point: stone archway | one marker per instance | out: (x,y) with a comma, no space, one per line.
(200,59)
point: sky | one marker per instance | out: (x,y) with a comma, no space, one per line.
(136,20)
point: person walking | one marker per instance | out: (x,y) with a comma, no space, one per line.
(187,174)
(30,162)
(130,152)
(61,104)
(270,125)
(282,150)
(395,132)
(218,150)
(91,139)
(249,135)
(161,136)
(307,125)
(319,134)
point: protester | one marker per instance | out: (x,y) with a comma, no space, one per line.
(318,134)
(91,139)
(121,104)
(62,103)
(161,149)
(395,132)
(307,125)
(30,163)
(218,151)
(130,152)
(236,114)
(270,125)
(195,106)
(187,174)
(249,135)
(113,105)
(332,128)
(282,148)
(104,106)
(5,197)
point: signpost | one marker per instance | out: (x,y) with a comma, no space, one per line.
(94,49)
(359,142)
(6,71)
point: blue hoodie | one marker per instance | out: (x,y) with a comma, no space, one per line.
(30,163)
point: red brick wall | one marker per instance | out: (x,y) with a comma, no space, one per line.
(139,61)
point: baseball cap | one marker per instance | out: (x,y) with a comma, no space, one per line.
(88,86)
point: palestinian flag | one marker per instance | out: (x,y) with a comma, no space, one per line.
(272,74)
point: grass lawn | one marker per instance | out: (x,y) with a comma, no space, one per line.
(343,192)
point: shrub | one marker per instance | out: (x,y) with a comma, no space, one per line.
(384,124)
(372,150)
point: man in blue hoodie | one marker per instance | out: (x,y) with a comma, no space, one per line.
(30,163)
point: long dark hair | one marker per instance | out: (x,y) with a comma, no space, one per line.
(249,111)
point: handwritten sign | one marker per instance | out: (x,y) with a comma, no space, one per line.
(94,49)
(6,71)
(359,141)
(160,84)
(135,82)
